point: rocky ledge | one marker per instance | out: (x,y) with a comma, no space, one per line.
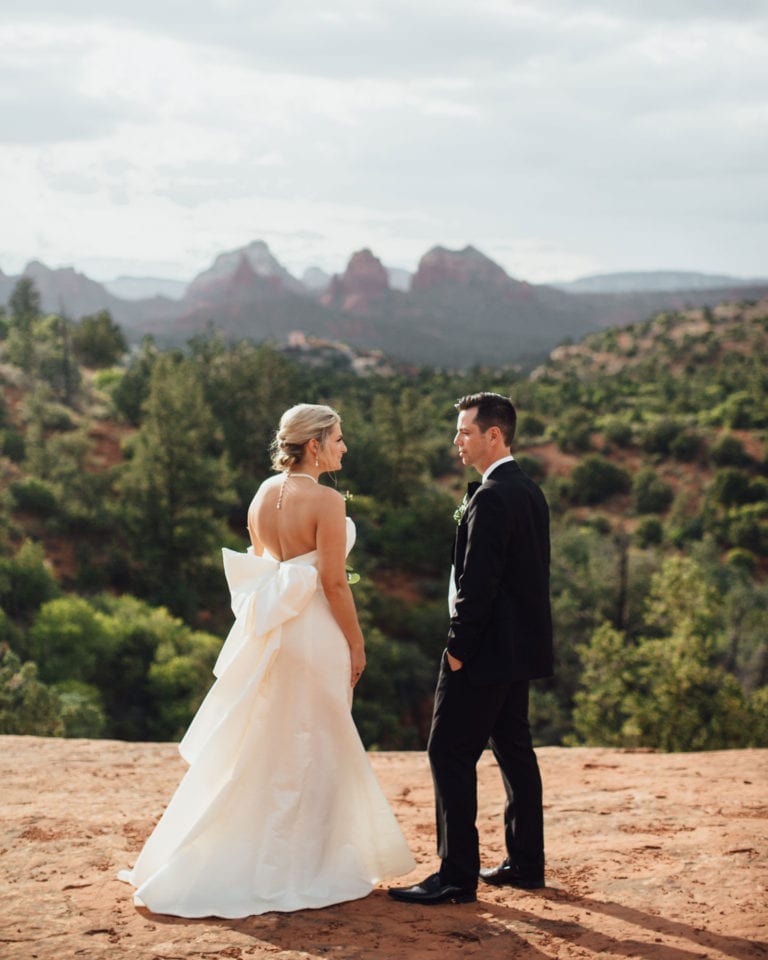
(661,856)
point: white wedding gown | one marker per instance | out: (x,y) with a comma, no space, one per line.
(280,808)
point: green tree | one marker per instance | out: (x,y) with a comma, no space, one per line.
(98,340)
(25,310)
(26,581)
(174,492)
(27,706)
(608,676)
(670,690)
(130,392)
(68,641)
(392,444)
(54,359)
(179,677)
(247,388)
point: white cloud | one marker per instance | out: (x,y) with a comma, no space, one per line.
(557,137)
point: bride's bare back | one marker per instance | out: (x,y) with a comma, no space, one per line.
(290,529)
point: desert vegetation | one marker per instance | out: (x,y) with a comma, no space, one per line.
(123,473)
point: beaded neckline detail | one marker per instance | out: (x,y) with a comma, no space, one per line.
(286,474)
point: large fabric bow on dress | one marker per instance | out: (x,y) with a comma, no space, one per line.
(266,593)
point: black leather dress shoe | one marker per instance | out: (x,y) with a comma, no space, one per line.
(433,890)
(508,875)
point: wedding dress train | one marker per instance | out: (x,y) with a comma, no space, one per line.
(280,808)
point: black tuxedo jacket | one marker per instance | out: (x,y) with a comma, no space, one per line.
(502,628)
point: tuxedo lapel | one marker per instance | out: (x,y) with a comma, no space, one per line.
(460,540)
(505,471)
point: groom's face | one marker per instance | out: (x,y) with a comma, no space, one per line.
(474,446)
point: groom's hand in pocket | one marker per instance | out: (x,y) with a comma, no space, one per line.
(453,663)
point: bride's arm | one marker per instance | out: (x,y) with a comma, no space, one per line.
(256,544)
(331,567)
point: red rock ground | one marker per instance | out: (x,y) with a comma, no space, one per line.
(659,856)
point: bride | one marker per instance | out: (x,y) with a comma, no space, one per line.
(280,808)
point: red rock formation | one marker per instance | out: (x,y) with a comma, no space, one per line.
(264,271)
(364,283)
(440,266)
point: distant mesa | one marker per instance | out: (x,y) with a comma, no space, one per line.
(657,281)
(458,309)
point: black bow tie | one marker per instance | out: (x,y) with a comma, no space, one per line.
(471,487)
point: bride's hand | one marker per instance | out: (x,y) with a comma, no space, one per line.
(358,664)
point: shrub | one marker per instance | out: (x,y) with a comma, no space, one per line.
(649,532)
(659,436)
(758,490)
(729,452)
(595,479)
(529,425)
(14,446)
(82,712)
(68,640)
(35,496)
(686,446)
(650,493)
(747,527)
(27,706)
(742,559)
(730,487)
(26,581)
(618,432)
(573,431)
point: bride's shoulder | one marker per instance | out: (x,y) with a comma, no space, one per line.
(330,505)
(330,496)
(266,485)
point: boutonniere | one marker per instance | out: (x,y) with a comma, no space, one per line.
(458,513)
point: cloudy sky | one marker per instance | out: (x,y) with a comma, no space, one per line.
(560,137)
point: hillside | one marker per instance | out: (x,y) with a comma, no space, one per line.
(664,857)
(119,486)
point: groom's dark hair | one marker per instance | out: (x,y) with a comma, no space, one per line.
(493,410)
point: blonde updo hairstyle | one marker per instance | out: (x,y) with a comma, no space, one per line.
(299,425)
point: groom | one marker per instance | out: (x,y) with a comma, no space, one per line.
(500,637)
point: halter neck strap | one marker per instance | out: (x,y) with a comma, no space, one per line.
(287,474)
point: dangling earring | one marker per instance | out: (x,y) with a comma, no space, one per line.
(317,462)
